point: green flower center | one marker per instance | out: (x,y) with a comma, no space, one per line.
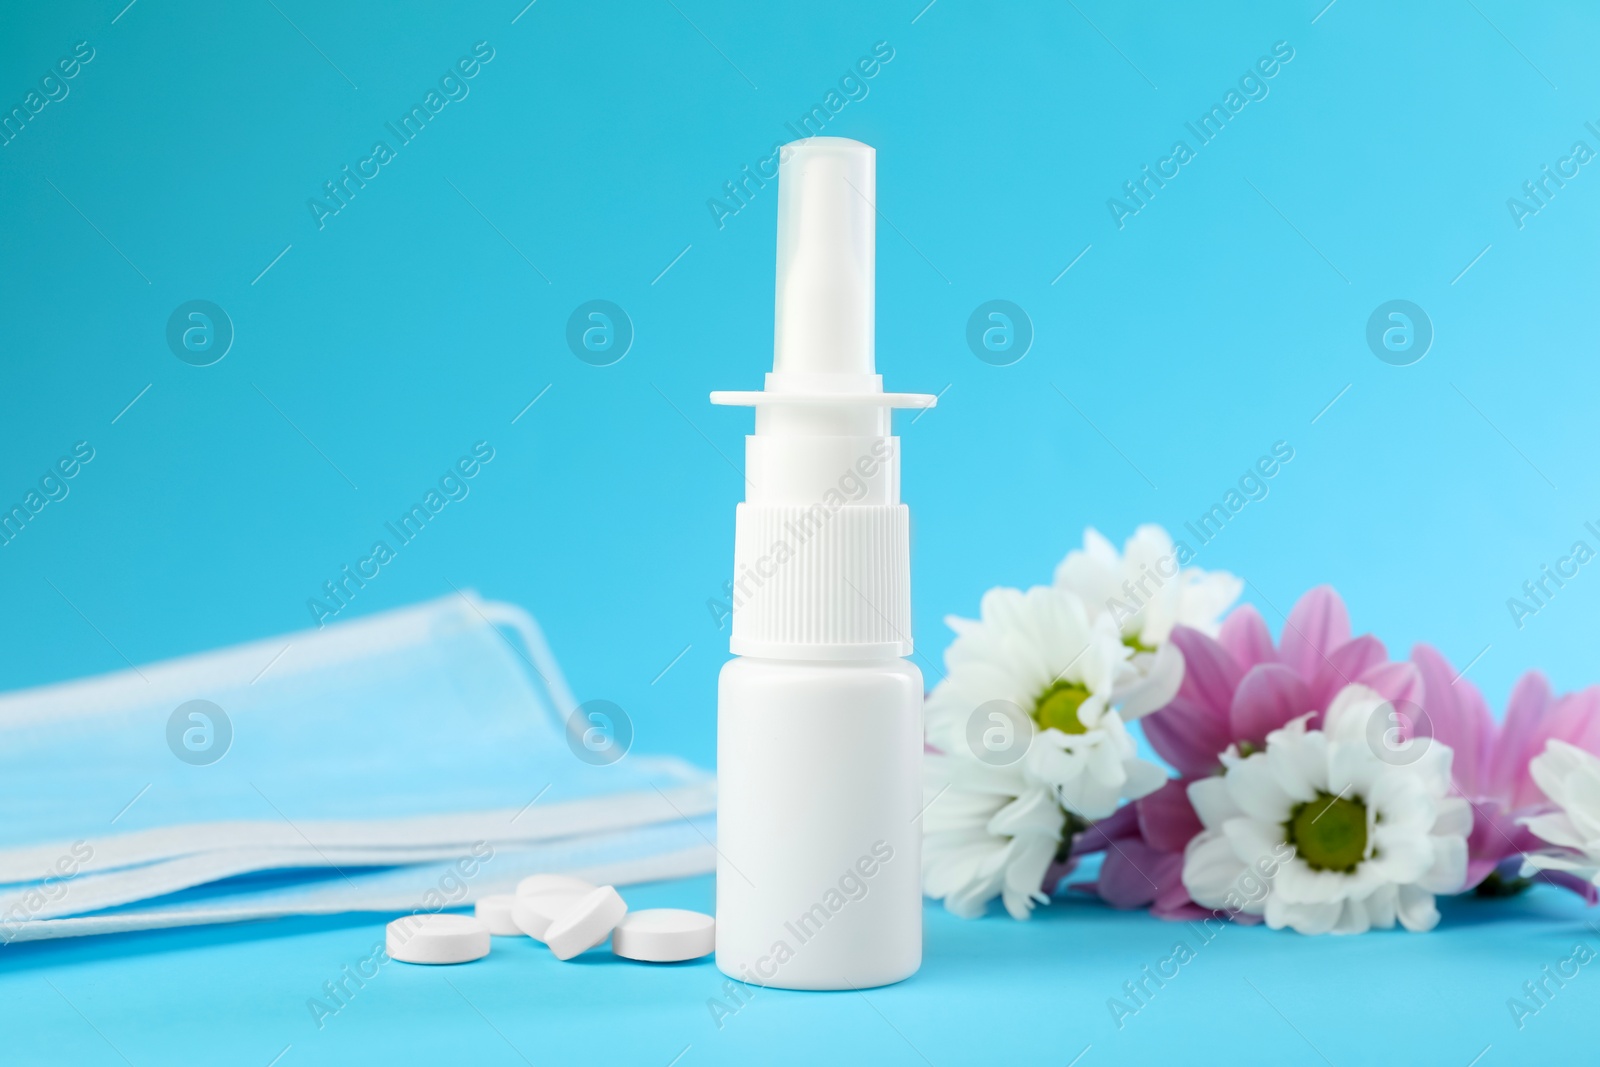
(1057,708)
(1329,833)
(1137,645)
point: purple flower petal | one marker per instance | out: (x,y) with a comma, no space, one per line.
(1495,837)
(1134,874)
(1316,626)
(1573,718)
(1478,870)
(1055,874)
(1188,736)
(1175,905)
(1166,818)
(1400,683)
(1508,761)
(1246,638)
(1567,880)
(1345,665)
(1209,672)
(1269,697)
(1456,715)
(1124,822)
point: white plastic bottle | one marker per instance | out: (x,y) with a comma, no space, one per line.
(819,718)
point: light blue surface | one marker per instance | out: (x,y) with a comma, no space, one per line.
(990,992)
(425,316)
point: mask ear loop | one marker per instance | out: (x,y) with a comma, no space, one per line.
(539,657)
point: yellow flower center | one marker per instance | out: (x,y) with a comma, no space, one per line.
(1137,645)
(1329,832)
(1057,708)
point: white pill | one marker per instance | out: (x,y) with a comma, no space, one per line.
(553,883)
(665,935)
(533,913)
(436,939)
(494,911)
(586,924)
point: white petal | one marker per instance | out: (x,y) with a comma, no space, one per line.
(1398,800)
(1212,802)
(1296,752)
(1150,681)
(1035,812)
(1299,765)
(947,871)
(1087,798)
(971,902)
(1554,766)
(1093,572)
(1304,918)
(1143,778)
(1025,872)
(1381,905)
(1353,919)
(1255,789)
(1349,714)
(1433,766)
(1555,828)
(1448,874)
(1101,654)
(1297,883)
(1252,840)
(1453,817)
(1404,856)
(1204,597)
(1353,769)
(1210,868)
(1416,909)
(1560,861)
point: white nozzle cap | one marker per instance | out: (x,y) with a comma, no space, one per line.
(827,189)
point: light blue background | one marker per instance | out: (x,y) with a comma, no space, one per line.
(426,315)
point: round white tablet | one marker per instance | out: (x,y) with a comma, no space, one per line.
(664,935)
(586,924)
(533,913)
(436,939)
(553,883)
(494,911)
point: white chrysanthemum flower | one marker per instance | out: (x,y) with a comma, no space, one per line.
(1030,747)
(1146,588)
(1342,840)
(1570,777)
(986,833)
(1035,657)
(1146,591)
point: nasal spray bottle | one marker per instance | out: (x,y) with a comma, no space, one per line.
(819,716)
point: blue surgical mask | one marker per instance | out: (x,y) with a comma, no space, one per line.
(412,737)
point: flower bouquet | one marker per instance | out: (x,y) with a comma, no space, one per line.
(1319,785)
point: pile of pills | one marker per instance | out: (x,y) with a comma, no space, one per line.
(568,915)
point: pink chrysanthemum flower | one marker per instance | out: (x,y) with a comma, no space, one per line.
(1236,690)
(1491,767)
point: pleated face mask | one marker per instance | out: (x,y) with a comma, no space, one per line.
(425,740)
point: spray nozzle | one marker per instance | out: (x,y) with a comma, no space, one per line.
(823,315)
(826,243)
